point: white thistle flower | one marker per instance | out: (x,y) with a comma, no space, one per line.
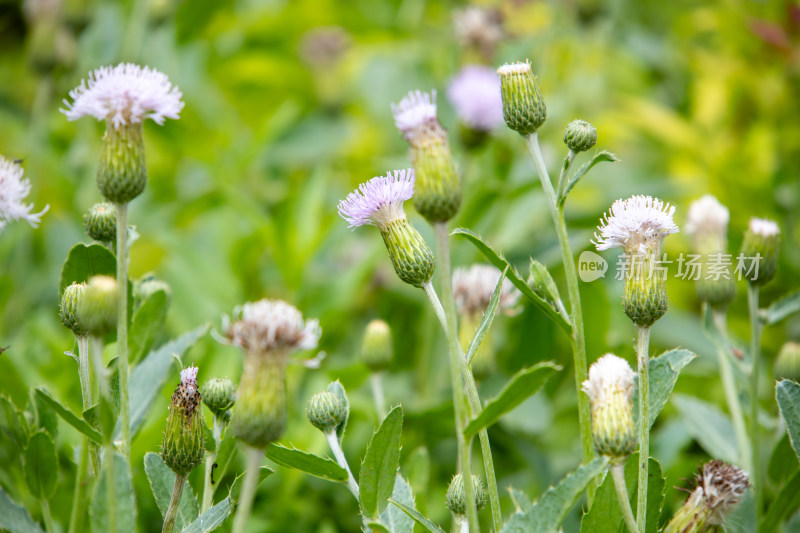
(520,67)
(378,201)
(764,227)
(606,375)
(473,288)
(638,225)
(707,215)
(415,110)
(125,94)
(268,325)
(13,190)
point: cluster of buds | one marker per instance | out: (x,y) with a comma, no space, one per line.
(761,241)
(183,445)
(610,389)
(456,498)
(377,350)
(707,223)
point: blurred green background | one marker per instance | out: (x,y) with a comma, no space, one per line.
(283,119)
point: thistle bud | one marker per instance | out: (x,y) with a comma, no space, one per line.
(457,500)
(707,222)
(523,106)
(219,395)
(718,490)
(148,285)
(100,222)
(610,389)
(787,365)
(326,411)
(760,246)
(68,312)
(377,350)
(645,296)
(97,309)
(579,136)
(183,445)
(122,172)
(411,256)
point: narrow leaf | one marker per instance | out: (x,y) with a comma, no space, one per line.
(788,395)
(41,465)
(784,307)
(784,505)
(380,464)
(147,323)
(486,320)
(14,517)
(211,519)
(306,462)
(513,276)
(663,372)
(417,517)
(125,499)
(576,177)
(523,384)
(710,428)
(395,520)
(83,262)
(162,483)
(69,417)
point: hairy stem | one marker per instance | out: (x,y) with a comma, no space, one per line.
(111,487)
(755,358)
(76,520)
(376,383)
(174,503)
(208,485)
(254,456)
(618,474)
(122,329)
(336,448)
(643,358)
(84,372)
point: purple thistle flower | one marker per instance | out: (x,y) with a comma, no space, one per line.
(379,201)
(475,95)
(415,110)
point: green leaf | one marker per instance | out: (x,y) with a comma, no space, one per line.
(788,395)
(227,448)
(83,262)
(147,323)
(663,372)
(236,487)
(162,483)
(43,417)
(522,503)
(380,464)
(211,519)
(576,177)
(125,499)
(523,384)
(417,517)
(41,465)
(375,526)
(500,262)
(148,377)
(395,520)
(710,428)
(12,423)
(782,462)
(14,517)
(418,469)
(337,390)
(68,416)
(549,511)
(306,462)
(784,505)
(486,320)
(784,307)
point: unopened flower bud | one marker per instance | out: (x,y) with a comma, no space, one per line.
(707,222)
(645,296)
(147,286)
(69,308)
(182,447)
(377,349)
(523,106)
(760,250)
(787,365)
(579,136)
(100,222)
(97,309)
(122,172)
(326,411)
(219,395)
(610,389)
(456,498)
(411,256)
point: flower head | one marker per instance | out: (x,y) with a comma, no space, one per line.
(638,224)
(125,94)
(610,389)
(475,95)
(473,288)
(13,190)
(268,325)
(379,201)
(416,110)
(182,446)
(607,374)
(707,215)
(479,28)
(763,227)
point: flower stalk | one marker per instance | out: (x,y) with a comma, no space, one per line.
(122,329)
(643,362)
(338,453)
(755,357)
(208,485)
(618,475)
(174,503)
(248,493)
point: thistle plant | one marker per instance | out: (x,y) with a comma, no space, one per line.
(13,190)
(377,352)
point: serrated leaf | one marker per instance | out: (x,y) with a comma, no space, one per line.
(68,416)
(787,393)
(576,177)
(784,505)
(125,499)
(709,426)
(522,503)
(14,517)
(146,324)
(306,462)
(395,520)
(417,517)
(663,372)
(83,262)
(236,487)
(523,384)
(337,390)
(41,465)
(162,483)
(549,511)
(211,519)
(513,276)
(784,307)
(486,319)
(380,464)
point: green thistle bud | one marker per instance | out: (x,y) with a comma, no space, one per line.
(326,411)
(645,297)
(68,312)
(97,309)
(787,365)
(523,106)
(147,286)
(411,256)
(259,416)
(122,172)
(610,389)
(377,349)
(761,241)
(183,445)
(707,222)
(579,136)
(457,500)
(219,395)
(100,222)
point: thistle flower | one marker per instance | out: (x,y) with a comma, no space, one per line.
(523,106)
(379,202)
(100,222)
(377,350)
(719,488)
(13,190)
(270,326)
(182,447)
(438,194)
(707,216)
(707,222)
(456,498)
(610,389)
(761,241)
(475,95)
(479,29)
(68,310)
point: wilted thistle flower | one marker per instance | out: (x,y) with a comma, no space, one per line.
(787,364)
(438,187)
(326,411)
(68,311)
(475,95)
(182,448)
(379,202)
(638,225)
(97,308)
(479,29)
(100,222)
(456,498)
(268,331)
(761,241)
(579,136)
(377,349)
(707,223)
(610,389)
(13,190)
(219,395)
(523,106)
(718,489)
(124,96)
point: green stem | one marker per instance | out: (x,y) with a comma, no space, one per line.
(458,406)
(208,486)
(618,474)
(174,504)
(76,520)
(376,383)
(336,448)
(254,457)
(84,373)
(643,359)
(49,525)
(111,487)
(577,339)
(755,358)
(122,329)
